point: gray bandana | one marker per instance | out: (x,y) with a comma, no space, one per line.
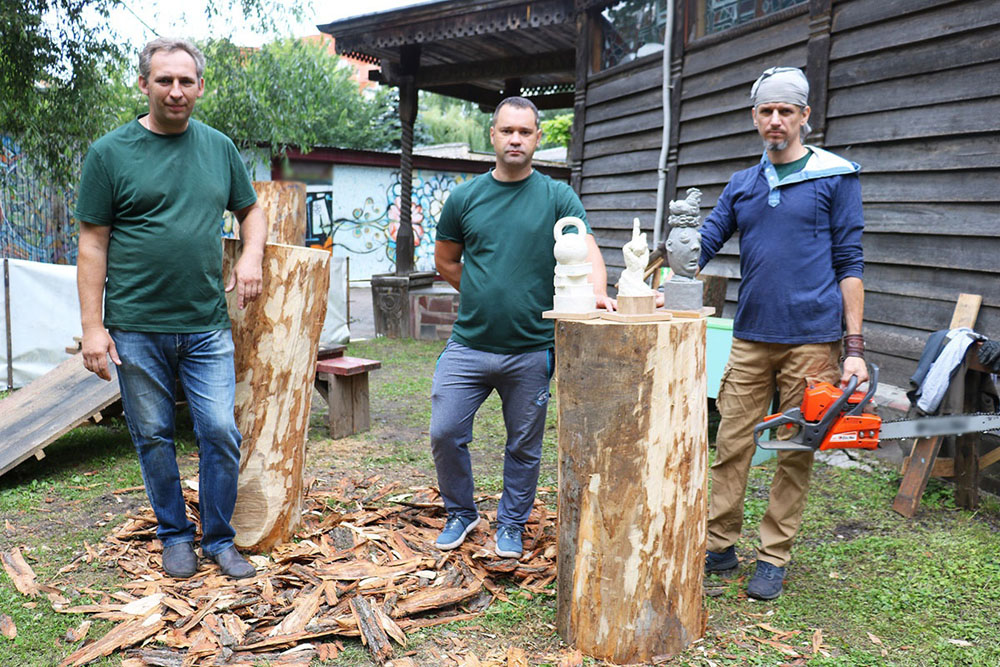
(781,84)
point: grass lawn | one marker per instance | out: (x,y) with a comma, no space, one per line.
(866,586)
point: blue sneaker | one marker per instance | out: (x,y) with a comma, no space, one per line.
(509,541)
(767,581)
(724,562)
(455,530)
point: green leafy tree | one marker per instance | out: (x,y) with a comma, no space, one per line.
(557,131)
(451,120)
(287,93)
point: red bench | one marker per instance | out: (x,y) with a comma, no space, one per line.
(343,384)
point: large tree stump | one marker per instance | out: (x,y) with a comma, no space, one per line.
(277,339)
(633,453)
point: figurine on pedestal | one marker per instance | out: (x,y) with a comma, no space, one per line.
(683,291)
(573,291)
(634,295)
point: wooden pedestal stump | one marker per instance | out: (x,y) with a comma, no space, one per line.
(277,339)
(633,454)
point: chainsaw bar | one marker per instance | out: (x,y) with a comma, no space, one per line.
(943,425)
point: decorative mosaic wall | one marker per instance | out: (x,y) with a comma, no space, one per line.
(35,218)
(357,216)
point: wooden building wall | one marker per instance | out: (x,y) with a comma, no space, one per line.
(909,89)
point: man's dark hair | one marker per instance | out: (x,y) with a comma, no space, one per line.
(517,103)
(170,44)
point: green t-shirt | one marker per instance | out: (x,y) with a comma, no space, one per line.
(164,196)
(506,229)
(792,167)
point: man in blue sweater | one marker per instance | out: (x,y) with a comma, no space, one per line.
(799,218)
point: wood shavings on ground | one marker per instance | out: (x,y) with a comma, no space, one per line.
(368,569)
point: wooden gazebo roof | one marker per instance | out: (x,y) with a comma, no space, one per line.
(476,50)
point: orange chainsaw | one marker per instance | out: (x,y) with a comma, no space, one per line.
(834,418)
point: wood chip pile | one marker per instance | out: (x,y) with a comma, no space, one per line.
(367,569)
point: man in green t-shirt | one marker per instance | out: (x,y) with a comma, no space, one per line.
(150,206)
(501,224)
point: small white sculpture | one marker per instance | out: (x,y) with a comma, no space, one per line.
(636,253)
(573,291)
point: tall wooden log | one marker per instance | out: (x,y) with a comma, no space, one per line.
(284,204)
(633,453)
(277,339)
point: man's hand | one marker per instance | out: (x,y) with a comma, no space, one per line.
(854,366)
(606,302)
(247,278)
(659,299)
(97,345)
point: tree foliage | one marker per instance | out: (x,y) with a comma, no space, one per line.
(287,93)
(557,131)
(450,120)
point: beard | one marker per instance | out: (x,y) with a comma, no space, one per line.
(775,145)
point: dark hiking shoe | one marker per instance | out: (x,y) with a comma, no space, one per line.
(722,563)
(767,581)
(233,564)
(179,560)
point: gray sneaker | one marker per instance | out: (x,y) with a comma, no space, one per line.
(455,531)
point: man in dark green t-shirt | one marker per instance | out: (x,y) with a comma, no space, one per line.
(501,224)
(150,206)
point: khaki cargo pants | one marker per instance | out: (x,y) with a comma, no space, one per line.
(748,384)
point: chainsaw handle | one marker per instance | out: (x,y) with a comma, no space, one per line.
(793,416)
(872,386)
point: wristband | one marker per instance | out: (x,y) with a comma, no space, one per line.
(854,345)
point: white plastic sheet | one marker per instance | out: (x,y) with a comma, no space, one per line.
(44,318)
(335,329)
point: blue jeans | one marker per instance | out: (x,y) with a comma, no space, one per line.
(463,379)
(204,363)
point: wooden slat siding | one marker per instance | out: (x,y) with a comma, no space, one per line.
(643,74)
(619,201)
(953,219)
(622,163)
(770,40)
(957,118)
(974,151)
(860,13)
(945,87)
(943,186)
(630,124)
(623,183)
(721,101)
(744,72)
(921,316)
(704,174)
(949,18)
(944,252)
(610,220)
(927,282)
(725,123)
(648,140)
(746,146)
(639,102)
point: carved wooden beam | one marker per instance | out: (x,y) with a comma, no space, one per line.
(488,99)
(503,68)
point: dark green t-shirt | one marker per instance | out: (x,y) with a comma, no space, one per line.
(506,229)
(792,167)
(164,196)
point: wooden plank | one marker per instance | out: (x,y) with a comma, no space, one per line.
(742,73)
(967,444)
(623,183)
(38,414)
(720,101)
(918,473)
(943,186)
(944,87)
(745,146)
(961,152)
(618,219)
(989,458)
(651,139)
(348,402)
(966,117)
(966,311)
(910,28)
(737,122)
(952,219)
(622,163)
(709,173)
(944,252)
(627,123)
(848,15)
(347,365)
(917,59)
(619,201)
(763,41)
(646,100)
(943,467)
(922,314)
(625,85)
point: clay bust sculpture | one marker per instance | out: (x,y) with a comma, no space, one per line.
(684,241)
(636,254)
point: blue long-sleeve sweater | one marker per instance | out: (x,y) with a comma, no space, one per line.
(799,237)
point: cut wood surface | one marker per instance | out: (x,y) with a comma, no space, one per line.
(35,416)
(633,456)
(284,204)
(371,573)
(276,339)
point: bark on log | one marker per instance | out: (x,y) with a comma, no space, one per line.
(277,339)
(284,204)
(633,452)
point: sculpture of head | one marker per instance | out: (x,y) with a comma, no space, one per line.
(684,251)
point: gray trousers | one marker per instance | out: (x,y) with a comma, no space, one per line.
(463,379)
